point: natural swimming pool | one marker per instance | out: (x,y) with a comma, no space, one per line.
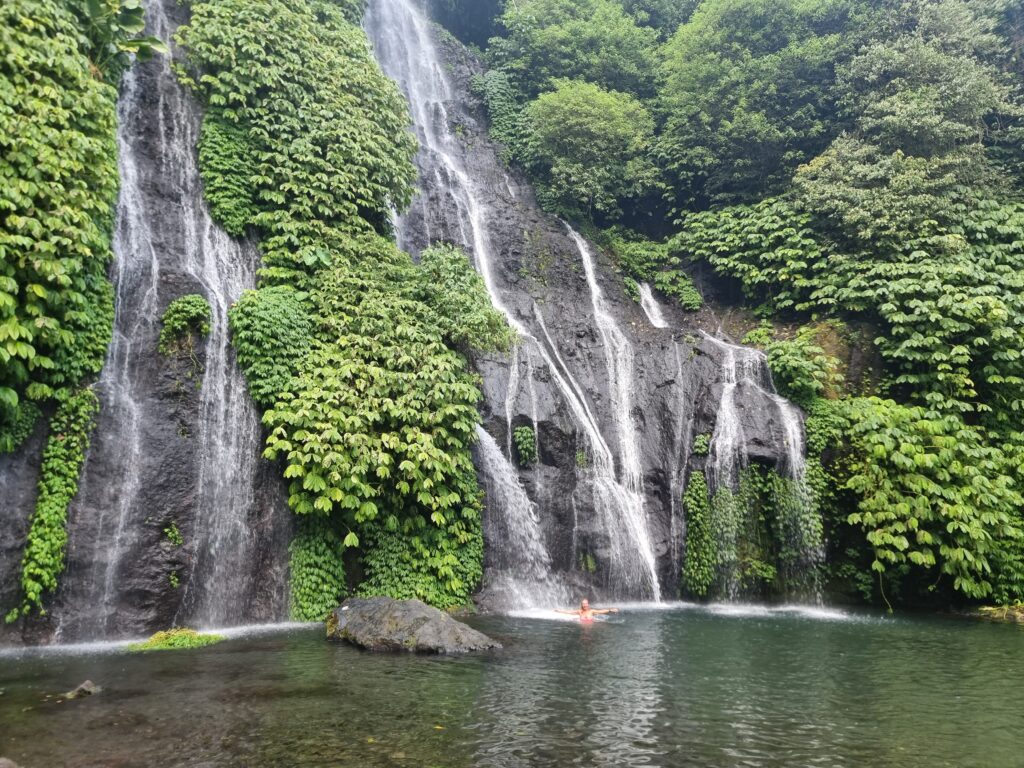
(677,686)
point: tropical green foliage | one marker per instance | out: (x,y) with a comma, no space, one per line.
(185,318)
(173,534)
(526,445)
(699,563)
(58,182)
(662,15)
(801,370)
(508,123)
(352,347)
(592,146)
(747,95)
(176,640)
(439,565)
(228,166)
(21,426)
(379,416)
(457,294)
(323,129)
(317,569)
(43,560)
(272,332)
(113,28)
(591,40)
(642,260)
(931,492)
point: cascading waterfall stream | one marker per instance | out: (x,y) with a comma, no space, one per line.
(521,571)
(629,493)
(747,367)
(651,307)
(743,367)
(157,132)
(135,307)
(404,45)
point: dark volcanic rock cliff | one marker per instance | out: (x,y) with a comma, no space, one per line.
(570,372)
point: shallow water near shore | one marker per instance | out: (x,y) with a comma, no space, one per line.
(677,686)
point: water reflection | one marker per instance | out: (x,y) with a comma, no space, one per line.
(676,687)
(597,705)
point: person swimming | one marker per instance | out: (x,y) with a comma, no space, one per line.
(585,612)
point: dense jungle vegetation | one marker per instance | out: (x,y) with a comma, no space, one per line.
(59,70)
(854,169)
(851,170)
(355,353)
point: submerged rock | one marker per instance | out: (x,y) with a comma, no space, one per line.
(386,624)
(5,763)
(88,688)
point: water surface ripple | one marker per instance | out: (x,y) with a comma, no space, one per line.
(679,686)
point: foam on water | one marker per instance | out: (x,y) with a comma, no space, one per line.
(724,610)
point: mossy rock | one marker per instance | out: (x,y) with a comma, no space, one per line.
(1010,614)
(176,639)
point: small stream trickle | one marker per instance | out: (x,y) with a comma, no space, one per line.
(651,307)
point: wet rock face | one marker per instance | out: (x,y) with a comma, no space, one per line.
(676,372)
(19,478)
(385,624)
(141,552)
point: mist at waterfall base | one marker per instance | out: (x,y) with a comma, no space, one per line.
(684,686)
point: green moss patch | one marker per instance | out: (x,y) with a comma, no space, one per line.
(176,639)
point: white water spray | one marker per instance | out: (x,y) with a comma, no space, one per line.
(520,573)
(798,521)
(747,367)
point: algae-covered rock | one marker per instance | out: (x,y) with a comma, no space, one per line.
(386,624)
(1010,614)
(88,688)
(176,639)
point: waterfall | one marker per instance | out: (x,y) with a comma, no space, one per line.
(744,367)
(651,307)
(627,495)
(519,568)
(799,523)
(155,244)
(403,42)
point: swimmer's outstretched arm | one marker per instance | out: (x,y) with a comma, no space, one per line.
(604,610)
(562,610)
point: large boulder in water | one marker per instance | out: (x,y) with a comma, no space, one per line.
(386,624)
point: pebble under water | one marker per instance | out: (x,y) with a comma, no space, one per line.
(680,686)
